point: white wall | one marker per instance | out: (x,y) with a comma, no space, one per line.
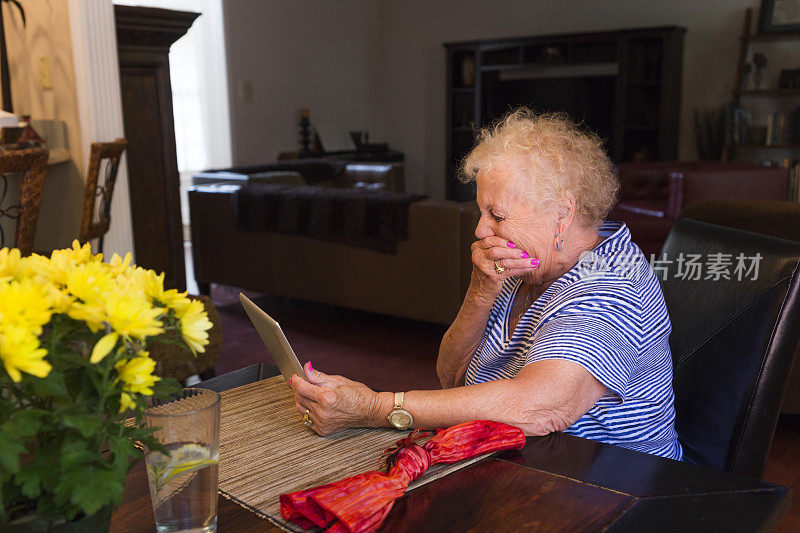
(47,35)
(300,54)
(380,65)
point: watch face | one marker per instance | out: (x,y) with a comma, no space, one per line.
(400,419)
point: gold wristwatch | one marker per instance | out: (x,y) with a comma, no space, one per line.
(399,417)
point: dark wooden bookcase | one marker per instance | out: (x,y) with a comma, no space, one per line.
(767,99)
(625,85)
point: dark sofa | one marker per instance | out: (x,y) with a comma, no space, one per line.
(424,279)
(652,194)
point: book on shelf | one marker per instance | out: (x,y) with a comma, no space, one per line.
(794,178)
(770,131)
(737,120)
(783,128)
(795,126)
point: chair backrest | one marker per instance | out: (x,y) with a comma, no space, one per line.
(103,166)
(775,218)
(32,164)
(733,340)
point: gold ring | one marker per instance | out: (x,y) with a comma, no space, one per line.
(307,422)
(498,268)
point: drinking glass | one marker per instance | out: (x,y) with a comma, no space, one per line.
(183,481)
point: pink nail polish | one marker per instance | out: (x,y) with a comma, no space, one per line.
(524,255)
(309,366)
(290,381)
(535,262)
(511,244)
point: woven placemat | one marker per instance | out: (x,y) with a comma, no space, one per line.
(266,451)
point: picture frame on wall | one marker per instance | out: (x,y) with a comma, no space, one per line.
(779,16)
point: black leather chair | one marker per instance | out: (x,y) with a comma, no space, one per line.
(732,343)
(768,217)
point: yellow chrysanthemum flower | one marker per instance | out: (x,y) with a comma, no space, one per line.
(103,347)
(182,304)
(57,267)
(153,283)
(120,265)
(136,374)
(54,271)
(154,288)
(26,304)
(20,352)
(82,254)
(194,326)
(10,264)
(89,281)
(126,402)
(175,300)
(60,299)
(131,315)
(93,314)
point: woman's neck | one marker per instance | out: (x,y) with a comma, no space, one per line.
(575,243)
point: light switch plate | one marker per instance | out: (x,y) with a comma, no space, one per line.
(43,69)
(245,91)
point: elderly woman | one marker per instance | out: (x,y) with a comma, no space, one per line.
(564,326)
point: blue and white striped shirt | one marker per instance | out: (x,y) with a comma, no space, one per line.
(608,315)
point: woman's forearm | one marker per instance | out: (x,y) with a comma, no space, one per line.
(462,340)
(444,408)
(546,396)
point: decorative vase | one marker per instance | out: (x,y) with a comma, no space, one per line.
(29,137)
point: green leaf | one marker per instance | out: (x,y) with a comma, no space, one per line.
(26,422)
(92,487)
(10,450)
(122,449)
(86,424)
(51,386)
(29,480)
(165,387)
(74,454)
(142,435)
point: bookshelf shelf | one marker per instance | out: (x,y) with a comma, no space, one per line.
(782,128)
(753,146)
(643,127)
(770,92)
(773,37)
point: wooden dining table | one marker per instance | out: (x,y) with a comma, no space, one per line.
(554,483)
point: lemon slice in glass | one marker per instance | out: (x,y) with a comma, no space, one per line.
(180,461)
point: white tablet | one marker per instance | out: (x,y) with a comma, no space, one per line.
(274,339)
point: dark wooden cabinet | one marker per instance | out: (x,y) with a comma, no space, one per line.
(144,36)
(624,85)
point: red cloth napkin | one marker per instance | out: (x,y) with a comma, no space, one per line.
(360,503)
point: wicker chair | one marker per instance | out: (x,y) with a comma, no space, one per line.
(103,162)
(32,164)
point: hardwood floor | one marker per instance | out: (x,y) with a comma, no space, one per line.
(783,467)
(393,354)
